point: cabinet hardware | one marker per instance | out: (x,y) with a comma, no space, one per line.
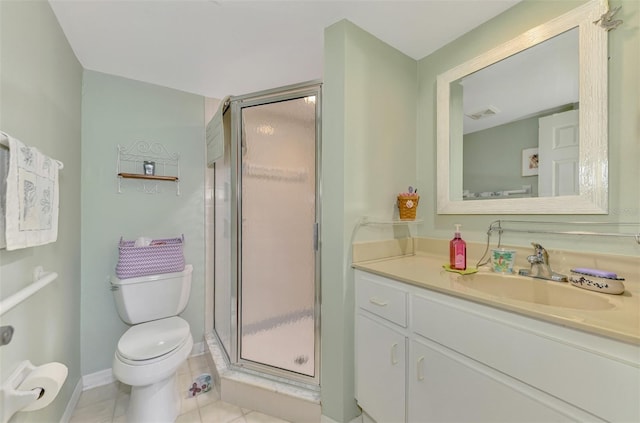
(378,302)
(420,368)
(394,357)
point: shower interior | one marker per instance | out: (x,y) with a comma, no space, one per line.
(266,256)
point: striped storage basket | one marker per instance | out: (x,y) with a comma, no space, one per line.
(161,256)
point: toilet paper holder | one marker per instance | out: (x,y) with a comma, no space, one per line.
(12,399)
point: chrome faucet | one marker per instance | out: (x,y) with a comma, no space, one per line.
(540,267)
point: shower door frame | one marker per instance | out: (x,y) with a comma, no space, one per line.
(291,92)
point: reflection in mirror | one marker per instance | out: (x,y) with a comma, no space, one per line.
(522,128)
(504,104)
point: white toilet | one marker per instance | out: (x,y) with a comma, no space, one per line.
(151,351)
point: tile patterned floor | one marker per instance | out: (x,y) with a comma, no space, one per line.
(107,404)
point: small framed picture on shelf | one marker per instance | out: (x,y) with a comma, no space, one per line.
(529,162)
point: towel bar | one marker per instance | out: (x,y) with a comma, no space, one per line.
(4,142)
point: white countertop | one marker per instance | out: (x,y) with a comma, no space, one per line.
(619,319)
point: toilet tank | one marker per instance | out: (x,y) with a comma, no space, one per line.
(152,297)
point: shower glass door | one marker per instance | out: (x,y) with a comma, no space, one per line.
(277,225)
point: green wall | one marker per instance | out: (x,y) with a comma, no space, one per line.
(368,146)
(624,132)
(118,111)
(492,158)
(40,95)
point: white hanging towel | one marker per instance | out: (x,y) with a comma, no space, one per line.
(215,135)
(31,207)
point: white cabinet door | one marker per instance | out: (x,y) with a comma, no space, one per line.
(380,370)
(445,386)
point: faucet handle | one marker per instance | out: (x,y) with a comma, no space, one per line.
(541,255)
(539,248)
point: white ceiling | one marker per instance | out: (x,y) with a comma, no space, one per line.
(538,79)
(216,48)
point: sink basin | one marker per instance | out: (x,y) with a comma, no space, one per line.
(536,291)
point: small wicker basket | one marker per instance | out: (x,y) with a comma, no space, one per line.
(407,205)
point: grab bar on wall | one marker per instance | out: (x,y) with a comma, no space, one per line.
(501,226)
(40,280)
(498,226)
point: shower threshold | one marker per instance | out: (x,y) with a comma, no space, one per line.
(266,394)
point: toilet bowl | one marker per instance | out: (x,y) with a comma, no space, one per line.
(148,358)
(150,352)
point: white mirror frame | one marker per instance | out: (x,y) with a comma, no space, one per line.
(593,117)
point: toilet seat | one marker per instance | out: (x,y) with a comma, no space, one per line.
(151,340)
(152,370)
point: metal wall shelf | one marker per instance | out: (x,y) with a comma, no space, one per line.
(405,225)
(150,177)
(130,165)
(367,220)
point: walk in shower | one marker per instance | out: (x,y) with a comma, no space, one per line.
(266,253)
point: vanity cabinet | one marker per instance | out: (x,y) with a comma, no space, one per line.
(448,387)
(381,361)
(470,362)
(381,350)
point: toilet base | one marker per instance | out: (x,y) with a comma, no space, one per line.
(155,403)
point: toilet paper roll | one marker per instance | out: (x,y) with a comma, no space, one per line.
(49,377)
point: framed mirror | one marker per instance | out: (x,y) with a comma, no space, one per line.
(522,128)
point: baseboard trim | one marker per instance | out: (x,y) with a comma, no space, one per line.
(93,380)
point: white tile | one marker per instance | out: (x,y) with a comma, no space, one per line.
(122,403)
(190,417)
(220,412)
(188,404)
(99,412)
(184,368)
(99,394)
(184,384)
(198,365)
(256,417)
(195,359)
(205,398)
(123,388)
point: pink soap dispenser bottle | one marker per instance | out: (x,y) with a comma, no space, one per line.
(457,251)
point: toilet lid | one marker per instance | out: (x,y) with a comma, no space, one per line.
(153,339)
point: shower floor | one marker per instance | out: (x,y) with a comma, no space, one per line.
(288,346)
